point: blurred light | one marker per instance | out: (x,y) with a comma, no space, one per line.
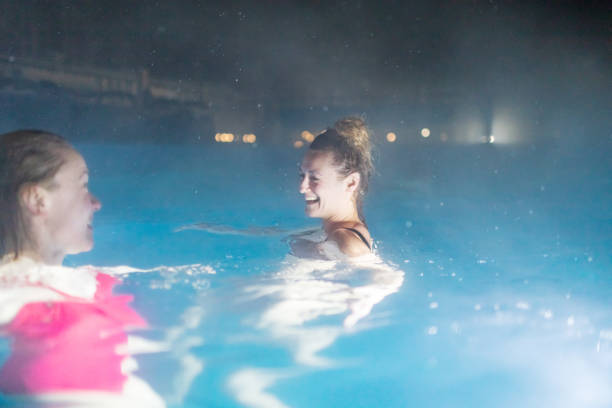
(224,137)
(443,137)
(509,124)
(425,132)
(307,136)
(298,144)
(249,138)
(391,137)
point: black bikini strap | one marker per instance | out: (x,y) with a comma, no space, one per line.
(360,235)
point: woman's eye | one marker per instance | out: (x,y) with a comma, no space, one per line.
(302,175)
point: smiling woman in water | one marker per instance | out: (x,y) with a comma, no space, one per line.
(334,177)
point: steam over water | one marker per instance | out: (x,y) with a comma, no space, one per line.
(491,204)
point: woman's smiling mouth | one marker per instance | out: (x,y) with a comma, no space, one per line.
(311,200)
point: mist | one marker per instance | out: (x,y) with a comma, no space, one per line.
(492,131)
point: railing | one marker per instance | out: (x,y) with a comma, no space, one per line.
(135,85)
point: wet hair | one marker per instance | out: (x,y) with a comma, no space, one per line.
(349,141)
(26,157)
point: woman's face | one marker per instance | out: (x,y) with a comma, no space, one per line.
(326,192)
(71,207)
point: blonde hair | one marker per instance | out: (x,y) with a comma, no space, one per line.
(349,141)
(26,157)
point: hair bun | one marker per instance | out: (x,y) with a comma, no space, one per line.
(354,129)
(356,133)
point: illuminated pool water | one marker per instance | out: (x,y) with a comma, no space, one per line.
(498,294)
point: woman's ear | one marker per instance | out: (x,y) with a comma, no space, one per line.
(34,199)
(352,181)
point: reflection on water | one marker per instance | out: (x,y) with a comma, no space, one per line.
(298,297)
(548,342)
(177,340)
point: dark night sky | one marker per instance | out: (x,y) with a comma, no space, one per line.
(306,49)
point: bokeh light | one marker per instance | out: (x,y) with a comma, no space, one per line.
(307,136)
(224,137)
(425,132)
(298,144)
(391,137)
(249,138)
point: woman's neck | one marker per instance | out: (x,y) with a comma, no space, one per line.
(51,258)
(333,223)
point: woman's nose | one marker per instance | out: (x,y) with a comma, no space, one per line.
(95,202)
(303,185)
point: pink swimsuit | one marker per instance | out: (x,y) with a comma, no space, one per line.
(71,345)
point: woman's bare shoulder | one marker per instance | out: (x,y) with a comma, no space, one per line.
(353,240)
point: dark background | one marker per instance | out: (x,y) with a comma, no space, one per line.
(286,65)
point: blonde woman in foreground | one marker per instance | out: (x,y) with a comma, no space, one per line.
(67,328)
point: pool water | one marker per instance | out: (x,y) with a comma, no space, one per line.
(494,288)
